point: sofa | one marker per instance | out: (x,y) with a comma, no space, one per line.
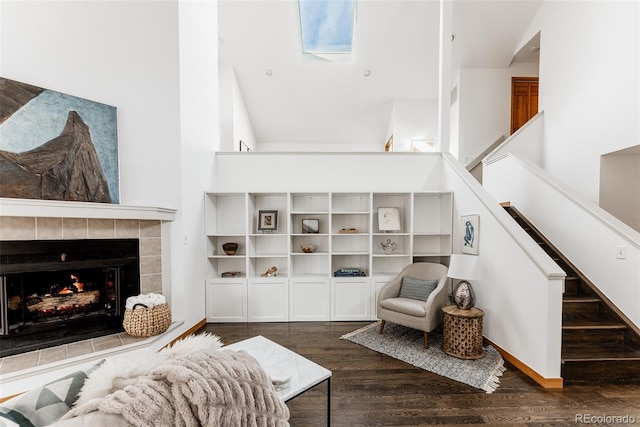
(194,382)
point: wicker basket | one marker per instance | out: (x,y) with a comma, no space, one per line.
(143,321)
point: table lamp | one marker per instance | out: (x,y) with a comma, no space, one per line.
(464,267)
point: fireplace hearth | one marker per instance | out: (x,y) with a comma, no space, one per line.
(54,292)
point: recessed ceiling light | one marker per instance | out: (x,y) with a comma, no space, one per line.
(367,73)
(268,72)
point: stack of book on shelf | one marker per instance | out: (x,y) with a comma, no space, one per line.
(348,272)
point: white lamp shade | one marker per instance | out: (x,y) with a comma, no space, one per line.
(465,267)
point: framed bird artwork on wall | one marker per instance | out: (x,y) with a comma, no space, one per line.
(469,228)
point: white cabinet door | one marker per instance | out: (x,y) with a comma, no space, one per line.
(309,299)
(350,298)
(268,300)
(226,300)
(378,283)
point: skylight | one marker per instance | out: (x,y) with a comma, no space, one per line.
(327,26)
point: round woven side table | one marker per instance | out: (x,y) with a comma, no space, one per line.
(462,332)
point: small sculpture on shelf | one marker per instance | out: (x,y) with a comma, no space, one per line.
(307,249)
(270,272)
(389,247)
(231,274)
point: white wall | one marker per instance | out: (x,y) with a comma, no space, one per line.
(226,79)
(620,174)
(235,123)
(485,106)
(242,128)
(413,119)
(321,147)
(325,172)
(390,127)
(589,86)
(526,142)
(199,141)
(123,54)
(454,115)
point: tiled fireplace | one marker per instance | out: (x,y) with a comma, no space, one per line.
(141,237)
(57,291)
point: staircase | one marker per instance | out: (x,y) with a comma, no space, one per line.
(598,342)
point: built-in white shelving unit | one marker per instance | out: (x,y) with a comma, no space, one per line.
(345,230)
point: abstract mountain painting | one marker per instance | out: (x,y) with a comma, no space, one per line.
(55,146)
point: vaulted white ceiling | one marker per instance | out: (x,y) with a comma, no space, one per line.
(307,100)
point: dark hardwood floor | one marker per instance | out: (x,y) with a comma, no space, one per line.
(372,389)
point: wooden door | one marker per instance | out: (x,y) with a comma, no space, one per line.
(524,100)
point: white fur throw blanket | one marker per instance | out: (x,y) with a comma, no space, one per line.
(192,387)
(149,300)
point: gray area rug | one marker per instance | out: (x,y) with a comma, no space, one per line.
(407,344)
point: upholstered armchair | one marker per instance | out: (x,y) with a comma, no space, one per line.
(403,304)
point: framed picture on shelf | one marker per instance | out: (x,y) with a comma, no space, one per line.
(469,228)
(310,226)
(389,219)
(267,220)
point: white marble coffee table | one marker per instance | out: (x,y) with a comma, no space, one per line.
(278,361)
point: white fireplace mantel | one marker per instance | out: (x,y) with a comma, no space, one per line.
(63,209)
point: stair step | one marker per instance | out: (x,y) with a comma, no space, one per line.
(580,306)
(601,364)
(572,323)
(603,371)
(584,338)
(573,287)
(590,329)
(595,353)
(580,299)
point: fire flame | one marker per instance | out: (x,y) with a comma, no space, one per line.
(76,287)
(77,283)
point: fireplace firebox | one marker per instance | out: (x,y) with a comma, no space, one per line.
(57,291)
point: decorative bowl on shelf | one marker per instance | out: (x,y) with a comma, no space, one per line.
(307,249)
(389,247)
(230,248)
